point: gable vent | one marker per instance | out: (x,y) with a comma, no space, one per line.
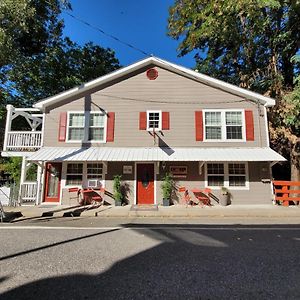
(152,74)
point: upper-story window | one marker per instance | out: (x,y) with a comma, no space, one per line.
(224,125)
(96,128)
(154,120)
(76,127)
(80,129)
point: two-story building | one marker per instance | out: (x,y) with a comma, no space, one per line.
(140,122)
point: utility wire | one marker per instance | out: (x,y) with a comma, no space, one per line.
(107,34)
(136,49)
(166,102)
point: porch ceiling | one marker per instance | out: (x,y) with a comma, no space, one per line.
(154,154)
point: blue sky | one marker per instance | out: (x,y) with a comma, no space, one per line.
(141,23)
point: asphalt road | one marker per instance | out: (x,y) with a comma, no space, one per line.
(150,261)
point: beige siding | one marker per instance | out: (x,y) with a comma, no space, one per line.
(169,92)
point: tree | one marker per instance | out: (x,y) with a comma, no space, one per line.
(246,42)
(36,61)
(59,68)
(27,27)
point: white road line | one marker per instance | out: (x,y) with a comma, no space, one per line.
(145,227)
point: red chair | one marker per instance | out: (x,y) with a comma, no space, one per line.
(91,196)
(203,196)
(74,193)
(186,198)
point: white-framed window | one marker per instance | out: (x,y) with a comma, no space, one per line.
(237,174)
(234,125)
(94,171)
(224,125)
(215,174)
(88,126)
(79,173)
(76,126)
(213,125)
(96,127)
(74,174)
(154,120)
(233,175)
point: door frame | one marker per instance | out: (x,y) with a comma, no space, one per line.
(135,179)
(45,184)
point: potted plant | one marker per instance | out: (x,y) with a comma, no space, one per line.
(225,196)
(166,186)
(117,190)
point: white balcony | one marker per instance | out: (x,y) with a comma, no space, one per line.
(22,137)
(23,141)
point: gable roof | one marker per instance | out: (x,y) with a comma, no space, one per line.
(202,78)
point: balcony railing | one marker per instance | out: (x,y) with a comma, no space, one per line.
(23,140)
(28,192)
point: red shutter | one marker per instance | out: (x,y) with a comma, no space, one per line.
(62,127)
(143,120)
(199,125)
(110,127)
(165,120)
(249,125)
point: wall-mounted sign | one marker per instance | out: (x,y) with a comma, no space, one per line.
(127,169)
(178,171)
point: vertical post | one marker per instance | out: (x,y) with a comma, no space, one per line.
(39,184)
(285,195)
(22,178)
(43,129)
(9,109)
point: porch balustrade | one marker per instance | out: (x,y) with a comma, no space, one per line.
(23,140)
(28,192)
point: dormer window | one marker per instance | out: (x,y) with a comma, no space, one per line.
(154,120)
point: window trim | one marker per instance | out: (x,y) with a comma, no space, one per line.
(84,173)
(90,174)
(226,175)
(74,173)
(160,120)
(224,126)
(87,127)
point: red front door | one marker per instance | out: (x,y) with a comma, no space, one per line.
(52,182)
(145,184)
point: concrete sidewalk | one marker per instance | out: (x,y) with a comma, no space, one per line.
(176,211)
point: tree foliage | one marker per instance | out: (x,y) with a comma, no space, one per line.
(246,42)
(36,61)
(61,67)
(28,27)
(249,43)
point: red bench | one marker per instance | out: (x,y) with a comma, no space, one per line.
(283,191)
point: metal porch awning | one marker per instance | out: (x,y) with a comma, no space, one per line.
(154,154)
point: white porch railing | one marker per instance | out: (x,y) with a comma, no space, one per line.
(23,140)
(28,192)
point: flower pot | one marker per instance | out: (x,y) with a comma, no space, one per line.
(224,199)
(166,202)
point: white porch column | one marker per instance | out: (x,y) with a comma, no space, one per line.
(22,177)
(39,183)
(9,109)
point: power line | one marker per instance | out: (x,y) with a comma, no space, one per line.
(107,34)
(166,102)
